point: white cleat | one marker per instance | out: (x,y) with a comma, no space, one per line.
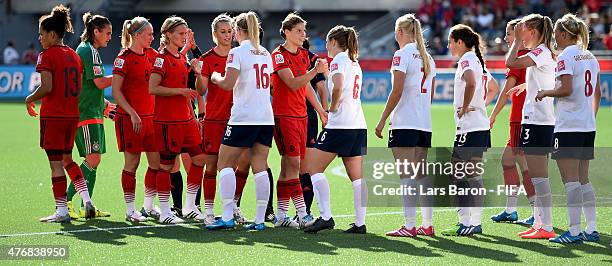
(194,213)
(170,219)
(238,217)
(305,221)
(209,219)
(287,222)
(56,218)
(135,217)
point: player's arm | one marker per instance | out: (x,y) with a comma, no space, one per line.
(394,97)
(323,95)
(433,89)
(502,99)
(201,106)
(158,90)
(597,96)
(46,84)
(311,96)
(201,84)
(492,90)
(228,81)
(295,83)
(563,88)
(119,97)
(103,82)
(468,94)
(513,61)
(338,81)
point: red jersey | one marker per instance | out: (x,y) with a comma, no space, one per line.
(65,66)
(285,101)
(173,72)
(218,100)
(136,68)
(516,112)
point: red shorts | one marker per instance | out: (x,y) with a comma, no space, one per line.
(515,137)
(129,141)
(176,138)
(290,135)
(212,135)
(58,134)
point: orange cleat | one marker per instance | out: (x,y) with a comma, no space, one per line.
(540,234)
(529,231)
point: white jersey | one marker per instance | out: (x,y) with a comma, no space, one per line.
(539,77)
(414,108)
(349,114)
(476,120)
(575,112)
(251,93)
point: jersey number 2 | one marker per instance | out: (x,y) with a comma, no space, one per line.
(262,78)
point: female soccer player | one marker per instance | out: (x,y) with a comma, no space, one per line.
(134,123)
(290,79)
(90,139)
(251,122)
(176,129)
(535,32)
(578,93)
(345,134)
(472,137)
(409,105)
(512,155)
(60,74)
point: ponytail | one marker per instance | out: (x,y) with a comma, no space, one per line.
(126,39)
(346,37)
(411,25)
(57,21)
(249,23)
(93,22)
(352,44)
(575,27)
(471,39)
(544,26)
(130,28)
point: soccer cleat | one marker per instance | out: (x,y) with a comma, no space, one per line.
(270,217)
(99,213)
(567,238)
(152,213)
(255,227)
(287,222)
(170,219)
(220,224)
(306,221)
(356,229)
(592,237)
(540,234)
(429,231)
(135,217)
(177,211)
(528,231)
(90,211)
(209,219)
(193,214)
(319,225)
(505,217)
(403,232)
(458,230)
(238,217)
(477,229)
(71,212)
(528,221)
(56,218)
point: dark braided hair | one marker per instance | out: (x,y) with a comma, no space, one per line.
(471,39)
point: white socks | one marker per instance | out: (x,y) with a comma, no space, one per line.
(544,201)
(360,201)
(573,194)
(426,202)
(512,200)
(262,192)
(477,201)
(588,206)
(227,188)
(321,189)
(409,202)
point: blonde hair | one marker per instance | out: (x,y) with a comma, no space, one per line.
(219,19)
(169,25)
(411,25)
(544,26)
(346,37)
(249,23)
(576,27)
(130,28)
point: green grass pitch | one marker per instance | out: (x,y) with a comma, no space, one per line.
(26,196)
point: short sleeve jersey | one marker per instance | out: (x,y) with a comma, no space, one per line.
(286,101)
(476,120)
(349,114)
(516,110)
(218,101)
(65,67)
(173,72)
(541,76)
(135,69)
(91,99)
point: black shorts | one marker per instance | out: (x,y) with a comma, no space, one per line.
(471,144)
(574,145)
(409,138)
(344,142)
(246,136)
(536,139)
(313,126)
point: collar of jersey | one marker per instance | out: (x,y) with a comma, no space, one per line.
(243,42)
(410,45)
(466,54)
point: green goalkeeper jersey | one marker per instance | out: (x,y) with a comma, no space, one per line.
(91,99)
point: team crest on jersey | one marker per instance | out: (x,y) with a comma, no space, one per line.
(279,59)
(230,58)
(97,70)
(159,62)
(396,60)
(536,51)
(561,65)
(465,64)
(119,63)
(333,67)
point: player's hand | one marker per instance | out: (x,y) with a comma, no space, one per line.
(190,39)
(321,65)
(379,128)
(189,93)
(516,90)
(323,116)
(136,123)
(215,77)
(518,32)
(110,110)
(541,95)
(462,111)
(491,121)
(196,66)
(31,107)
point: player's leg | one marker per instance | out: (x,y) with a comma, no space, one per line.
(288,187)
(354,169)
(538,168)
(569,169)
(242,173)
(58,184)
(259,164)
(511,180)
(321,159)
(426,201)
(228,156)
(76,177)
(588,203)
(527,185)
(150,184)
(209,187)
(305,181)
(128,184)
(408,180)
(195,174)
(176,183)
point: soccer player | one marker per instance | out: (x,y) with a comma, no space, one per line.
(176,129)
(251,123)
(578,94)
(90,140)
(345,134)
(472,137)
(318,84)
(409,106)
(60,74)
(537,125)
(512,154)
(290,79)
(134,123)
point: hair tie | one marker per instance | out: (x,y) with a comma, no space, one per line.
(141,27)
(563,26)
